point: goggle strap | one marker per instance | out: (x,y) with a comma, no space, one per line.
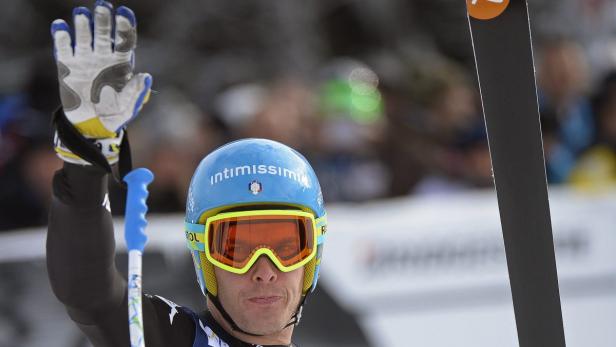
(320,239)
(321,222)
(196,229)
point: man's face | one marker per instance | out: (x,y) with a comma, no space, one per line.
(263,300)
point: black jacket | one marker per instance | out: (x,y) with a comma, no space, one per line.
(80,262)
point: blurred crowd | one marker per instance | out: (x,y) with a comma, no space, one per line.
(381,96)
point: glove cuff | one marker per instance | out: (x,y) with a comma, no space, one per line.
(71,146)
(109,148)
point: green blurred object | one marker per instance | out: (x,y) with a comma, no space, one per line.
(357,100)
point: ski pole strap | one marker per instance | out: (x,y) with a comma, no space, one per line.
(134,234)
(87,150)
(503,56)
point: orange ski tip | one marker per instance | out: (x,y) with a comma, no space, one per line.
(486,9)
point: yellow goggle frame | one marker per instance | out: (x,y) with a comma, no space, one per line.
(197,234)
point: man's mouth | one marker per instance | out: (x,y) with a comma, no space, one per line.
(265,300)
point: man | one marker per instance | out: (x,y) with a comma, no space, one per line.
(255,219)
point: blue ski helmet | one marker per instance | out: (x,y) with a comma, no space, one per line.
(251,173)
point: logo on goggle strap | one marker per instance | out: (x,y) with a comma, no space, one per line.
(255,187)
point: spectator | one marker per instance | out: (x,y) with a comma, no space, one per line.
(28,161)
(285,113)
(428,131)
(596,168)
(350,133)
(563,88)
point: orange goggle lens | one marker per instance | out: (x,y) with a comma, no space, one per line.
(233,241)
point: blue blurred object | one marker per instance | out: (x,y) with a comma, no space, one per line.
(9,108)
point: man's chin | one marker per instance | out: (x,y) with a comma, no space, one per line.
(265,320)
(264,327)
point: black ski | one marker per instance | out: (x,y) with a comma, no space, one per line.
(504,60)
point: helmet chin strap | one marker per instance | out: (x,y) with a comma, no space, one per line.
(294,319)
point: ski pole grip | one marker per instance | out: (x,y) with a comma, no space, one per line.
(136,208)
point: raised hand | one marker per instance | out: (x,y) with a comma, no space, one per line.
(99,91)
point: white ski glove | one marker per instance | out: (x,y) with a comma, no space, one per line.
(99,92)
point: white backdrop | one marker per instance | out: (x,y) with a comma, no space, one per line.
(431,271)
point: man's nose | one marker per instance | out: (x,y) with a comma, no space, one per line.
(264,270)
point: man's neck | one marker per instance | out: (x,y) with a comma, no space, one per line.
(282,337)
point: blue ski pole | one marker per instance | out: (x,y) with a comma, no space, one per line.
(134,227)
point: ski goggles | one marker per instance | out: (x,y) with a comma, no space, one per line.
(234,241)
